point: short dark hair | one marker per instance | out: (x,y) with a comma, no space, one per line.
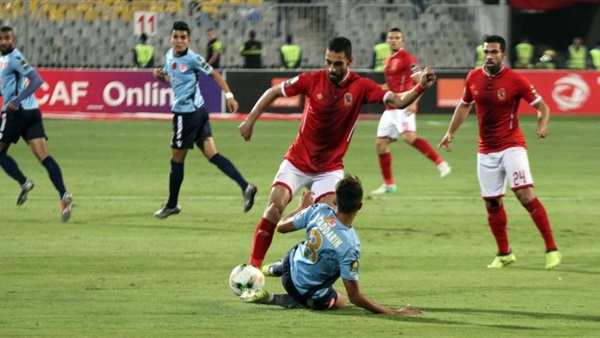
(289,38)
(496,39)
(395,29)
(252,34)
(181,26)
(143,37)
(349,194)
(340,44)
(6,29)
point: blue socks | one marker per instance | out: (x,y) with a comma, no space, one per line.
(175,180)
(55,175)
(12,169)
(229,169)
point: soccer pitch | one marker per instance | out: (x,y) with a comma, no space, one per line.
(116,271)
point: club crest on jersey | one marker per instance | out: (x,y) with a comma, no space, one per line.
(4,64)
(501,94)
(348,99)
(331,221)
(182,67)
(319,96)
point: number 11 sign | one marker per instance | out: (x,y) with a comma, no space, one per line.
(144,22)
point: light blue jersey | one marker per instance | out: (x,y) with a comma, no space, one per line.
(331,250)
(14,71)
(183,73)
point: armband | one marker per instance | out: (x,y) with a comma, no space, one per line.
(229,95)
(419,90)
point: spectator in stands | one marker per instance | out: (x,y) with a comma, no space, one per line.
(595,57)
(577,55)
(21,117)
(548,60)
(251,50)
(191,121)
(479,53)
(380,52)
(291,54)
(213,48)
(524,54)
(143,53)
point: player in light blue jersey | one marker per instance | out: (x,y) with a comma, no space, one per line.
(191,122)
(21,117)
(331,250)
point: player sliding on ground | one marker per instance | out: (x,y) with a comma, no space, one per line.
(331,250)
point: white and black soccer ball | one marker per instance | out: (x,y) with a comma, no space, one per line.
(245,276)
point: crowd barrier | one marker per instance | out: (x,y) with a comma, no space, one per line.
(114,94)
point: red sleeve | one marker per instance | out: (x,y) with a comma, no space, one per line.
(374,92)
(527,91)
(467,96)
(296,85)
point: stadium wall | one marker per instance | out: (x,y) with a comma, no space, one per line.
(129,94)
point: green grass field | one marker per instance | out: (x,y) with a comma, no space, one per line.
(116,271)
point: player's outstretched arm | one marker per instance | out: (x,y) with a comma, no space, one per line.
(232,104)
(247,126)
(404,99)
(460,115)
(359,299)
(287,223)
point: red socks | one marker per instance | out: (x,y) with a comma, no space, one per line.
(385,164)
(540,218)
(262,241)
(497,221)
(423,146)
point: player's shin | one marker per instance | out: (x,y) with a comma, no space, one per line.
(262,241)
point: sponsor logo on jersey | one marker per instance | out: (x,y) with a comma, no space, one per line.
(182,67)
(24,64)
(174,65)
(348,99)
(319,96)
(331,221)
(501,94)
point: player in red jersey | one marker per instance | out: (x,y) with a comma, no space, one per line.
(334,97)
(401,72)
(496,91)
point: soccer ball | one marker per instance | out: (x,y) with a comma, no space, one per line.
(245,276)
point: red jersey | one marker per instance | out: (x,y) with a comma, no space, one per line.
(329,118)
(496,102)
(399,70)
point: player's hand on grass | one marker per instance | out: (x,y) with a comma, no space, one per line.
(408,310)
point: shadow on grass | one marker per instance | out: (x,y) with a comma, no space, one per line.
(537,315)
(426,320)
